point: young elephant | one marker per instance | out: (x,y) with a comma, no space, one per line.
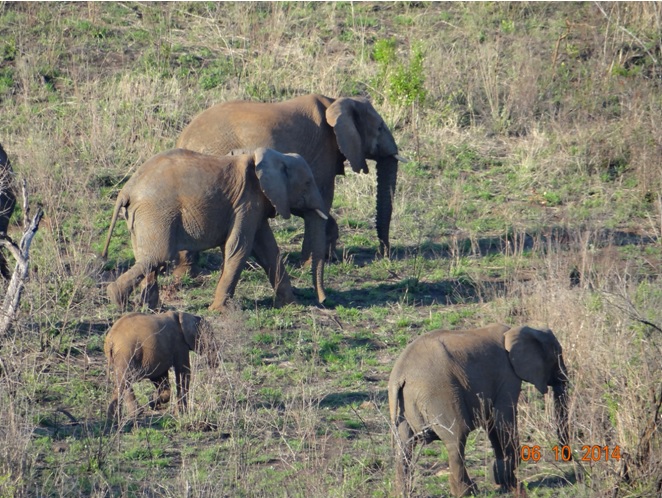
(140,346)
(447,383)
(182,200)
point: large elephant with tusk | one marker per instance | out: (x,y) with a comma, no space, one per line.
(323,130)
(182,200)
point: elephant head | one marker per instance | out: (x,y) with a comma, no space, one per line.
(362,134)
(287,181)
(190,328)
(536,357)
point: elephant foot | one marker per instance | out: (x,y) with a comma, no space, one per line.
(115,295)
(187,265)
(150,296)
(158,404)
(219,306)
(160,401)
(183,271)
(464,488)
(504,474)
(164,392)
(520,491)
(285,298)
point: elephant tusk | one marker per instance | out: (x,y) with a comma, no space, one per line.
(321,214)
(401,158)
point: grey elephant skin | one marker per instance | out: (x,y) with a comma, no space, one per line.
(323,130)
(445,384)
(7,204)
(182,200)
(140,346)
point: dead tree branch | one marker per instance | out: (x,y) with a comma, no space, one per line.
(21,253)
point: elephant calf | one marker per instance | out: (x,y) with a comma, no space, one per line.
(185,201)
(447,383)
(140,346)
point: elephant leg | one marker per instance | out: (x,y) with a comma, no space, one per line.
(149,290)
(267,254)
(461,484)
(403,443)
(119,290)
(162,393)
(124,391)
(183,378)
(130,400)
(114,407)
(237,248)
(505,443)
(187,264)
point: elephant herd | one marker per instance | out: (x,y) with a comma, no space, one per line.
(236,165)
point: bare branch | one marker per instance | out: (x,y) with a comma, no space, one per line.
(26,206)
(21,254)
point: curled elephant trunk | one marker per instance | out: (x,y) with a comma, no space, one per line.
(560,389)
(315,228)
(387,173)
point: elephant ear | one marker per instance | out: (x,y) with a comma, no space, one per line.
(271,172)
(189,325)
(527,353)
(343,116)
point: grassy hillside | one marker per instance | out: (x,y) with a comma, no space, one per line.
(533,195)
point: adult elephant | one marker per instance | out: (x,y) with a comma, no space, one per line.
(7,203)
(323,130)
(447,383)
(182,200)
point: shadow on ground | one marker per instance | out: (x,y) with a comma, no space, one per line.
(337,400)
(554,237)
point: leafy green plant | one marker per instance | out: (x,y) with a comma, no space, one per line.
(403,83)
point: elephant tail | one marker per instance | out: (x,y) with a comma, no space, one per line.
(108,351)
(396,405)
(122,202)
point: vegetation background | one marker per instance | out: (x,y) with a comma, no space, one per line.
(533,196)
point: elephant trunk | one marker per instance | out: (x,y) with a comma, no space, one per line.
(315,229)
(387,172)
(560,389)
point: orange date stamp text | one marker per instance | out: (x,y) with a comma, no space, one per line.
(589,453)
